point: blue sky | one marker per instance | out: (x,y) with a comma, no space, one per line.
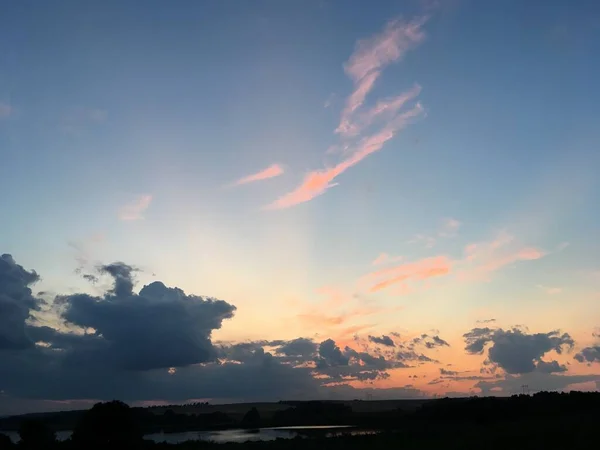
(123,130)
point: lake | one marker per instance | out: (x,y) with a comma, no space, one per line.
(234,435)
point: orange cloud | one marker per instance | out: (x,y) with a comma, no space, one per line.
(414,271)
(317,182)
(134,210)
(272,171)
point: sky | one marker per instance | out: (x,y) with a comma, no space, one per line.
(239,201)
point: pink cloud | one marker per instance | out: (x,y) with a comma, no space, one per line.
(5,110)
(134,210)
(317,182)
(484,258)
(384,258)
(413,271)
(371,56)
(383,109)
(364,67)
(274,170)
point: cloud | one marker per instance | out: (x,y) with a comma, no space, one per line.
(550,367)
(274,170)
(317,182)
(383,340)
(160,327)
(448,372)
(589,354)
(364,67)
(134,210)
(538,381)
(5,110)
(77,120)
(372,55)
(428,341)
(550,290)
(449,228)
(516,351)
(156,344)
(302,349)
(16,303)
(484,258)
(384,258)
(408,272)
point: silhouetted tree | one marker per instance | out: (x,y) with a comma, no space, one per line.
(5,442)
(107,425)
(251,419)
(36,435)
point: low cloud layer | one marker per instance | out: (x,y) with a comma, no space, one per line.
(156,344)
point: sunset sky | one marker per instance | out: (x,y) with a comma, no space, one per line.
(395,198)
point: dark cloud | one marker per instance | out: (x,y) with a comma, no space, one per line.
(448,372)
(122,275)
(383,340)
(589,354)
(16,303)
(537,381)
(89,277)
(302,348)
(514,350)
(486,321)
(436,341)
(330,355)
(550,367)
(428,341)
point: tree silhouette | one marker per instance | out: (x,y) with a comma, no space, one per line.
(106,425)
(36,435)
(5,442)
(251,419)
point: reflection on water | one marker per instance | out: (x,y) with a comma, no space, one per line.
(236,435)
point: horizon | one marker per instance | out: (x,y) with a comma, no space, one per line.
(299,199)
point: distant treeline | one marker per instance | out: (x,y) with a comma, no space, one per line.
(544,420)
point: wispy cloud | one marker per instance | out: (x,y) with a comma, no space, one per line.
(550,290)
(274,170)
(384,258)
(371,56)
(135,209)
(484,258)
(406,273)
(317,182)
(364,67)
(448,229)
(5,110)
(79,119)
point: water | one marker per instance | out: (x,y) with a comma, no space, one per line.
(235,435)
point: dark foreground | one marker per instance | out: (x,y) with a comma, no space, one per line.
(545,420)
